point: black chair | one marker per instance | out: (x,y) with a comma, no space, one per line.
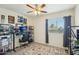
(25,39)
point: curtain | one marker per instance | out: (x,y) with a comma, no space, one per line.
(67,31)
(47,41)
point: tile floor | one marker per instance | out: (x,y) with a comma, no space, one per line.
(38,49)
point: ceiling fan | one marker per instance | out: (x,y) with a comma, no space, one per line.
(37,9)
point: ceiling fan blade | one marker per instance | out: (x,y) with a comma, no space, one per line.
(43,5)
(29,11)
(29,6)
(44,11)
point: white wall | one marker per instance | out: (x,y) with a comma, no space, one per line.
(39,24)
(76,19)
(6,12)
(77,15)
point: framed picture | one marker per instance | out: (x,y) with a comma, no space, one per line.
(11,19)
(2,17)
(21,19)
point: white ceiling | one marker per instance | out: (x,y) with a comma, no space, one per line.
(50,8)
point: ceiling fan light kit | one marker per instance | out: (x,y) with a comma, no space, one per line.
(37,9)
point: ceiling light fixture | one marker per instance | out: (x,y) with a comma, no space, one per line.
(37,9)
(37,12)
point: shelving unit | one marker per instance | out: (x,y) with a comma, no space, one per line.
(31,34)
(5,38)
